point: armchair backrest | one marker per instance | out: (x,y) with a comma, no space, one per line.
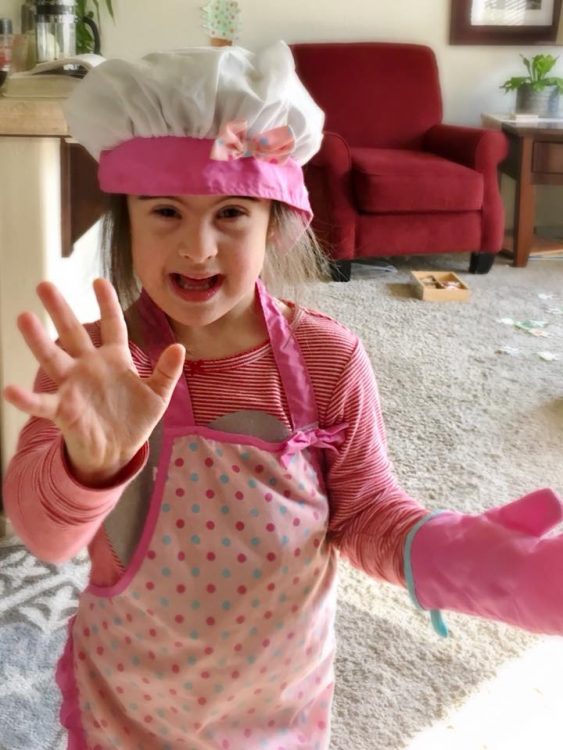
(377,94)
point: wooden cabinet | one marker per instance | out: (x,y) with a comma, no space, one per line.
(82,202)
(547,158)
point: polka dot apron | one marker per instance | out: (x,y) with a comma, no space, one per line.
(220,634)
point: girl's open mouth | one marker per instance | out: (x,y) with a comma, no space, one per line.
(195,290)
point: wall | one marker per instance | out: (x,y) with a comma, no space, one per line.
(470,75)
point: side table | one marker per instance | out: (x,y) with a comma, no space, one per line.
(535,157)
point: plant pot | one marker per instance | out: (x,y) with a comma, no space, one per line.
(543,103)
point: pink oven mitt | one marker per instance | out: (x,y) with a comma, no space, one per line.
(501,564)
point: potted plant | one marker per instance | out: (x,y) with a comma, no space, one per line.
(537,93)
(221,21)
(86,37)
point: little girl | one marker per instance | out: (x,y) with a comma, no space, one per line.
(214,447)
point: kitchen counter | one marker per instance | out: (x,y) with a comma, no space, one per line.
(25,117)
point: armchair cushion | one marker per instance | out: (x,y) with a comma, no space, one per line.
(404,181)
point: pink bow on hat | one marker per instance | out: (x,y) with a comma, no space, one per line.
(274,146)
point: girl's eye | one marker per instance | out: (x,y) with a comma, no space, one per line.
(231,212)
(167,212)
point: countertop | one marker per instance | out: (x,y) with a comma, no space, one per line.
(32,117)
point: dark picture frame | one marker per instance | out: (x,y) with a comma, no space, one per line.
(462,31)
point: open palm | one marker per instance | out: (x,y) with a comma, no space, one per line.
(104,410)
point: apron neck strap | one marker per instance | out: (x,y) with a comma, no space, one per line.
(157,334)
(289,359)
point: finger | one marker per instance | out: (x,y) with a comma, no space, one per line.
(114,328)
(167,371)
(54,361)
(42,405)
(73,336)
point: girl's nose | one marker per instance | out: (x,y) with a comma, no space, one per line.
(198,244)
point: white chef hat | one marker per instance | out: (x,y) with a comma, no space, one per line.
(205,120)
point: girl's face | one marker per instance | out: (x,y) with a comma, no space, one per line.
(199,257)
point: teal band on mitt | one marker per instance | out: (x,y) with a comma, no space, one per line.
(435,615)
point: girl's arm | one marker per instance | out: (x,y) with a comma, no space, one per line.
(52,513)
(370,514)
(500,564)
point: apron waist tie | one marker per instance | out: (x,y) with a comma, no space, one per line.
(332,438)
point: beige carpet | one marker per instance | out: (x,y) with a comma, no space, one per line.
(468,428)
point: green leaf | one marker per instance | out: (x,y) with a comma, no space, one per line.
(542,64)
(527,64)
(84,39)
(558,82)
(515,83)
(538,68)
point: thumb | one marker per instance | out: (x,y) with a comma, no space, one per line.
(167,371)
(535,513)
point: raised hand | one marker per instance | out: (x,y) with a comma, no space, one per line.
(104,410)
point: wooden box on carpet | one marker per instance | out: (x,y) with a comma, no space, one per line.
(440,286)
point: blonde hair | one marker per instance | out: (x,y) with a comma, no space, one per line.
(293,254)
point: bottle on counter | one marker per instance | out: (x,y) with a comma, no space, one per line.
(6,44)
(28,14)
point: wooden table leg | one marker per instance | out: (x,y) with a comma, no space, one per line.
(525,205)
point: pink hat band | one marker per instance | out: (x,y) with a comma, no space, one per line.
(181,165)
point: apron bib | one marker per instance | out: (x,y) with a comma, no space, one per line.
(220,634)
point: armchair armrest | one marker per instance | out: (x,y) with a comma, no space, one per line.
(334,154)
(477,148)
(481,150)
(328,178)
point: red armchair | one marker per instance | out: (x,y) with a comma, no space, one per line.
(391,178)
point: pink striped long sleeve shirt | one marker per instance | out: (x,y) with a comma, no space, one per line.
(370,515)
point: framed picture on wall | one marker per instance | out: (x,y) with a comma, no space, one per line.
(505,21)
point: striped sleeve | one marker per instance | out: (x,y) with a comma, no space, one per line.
(370,514)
